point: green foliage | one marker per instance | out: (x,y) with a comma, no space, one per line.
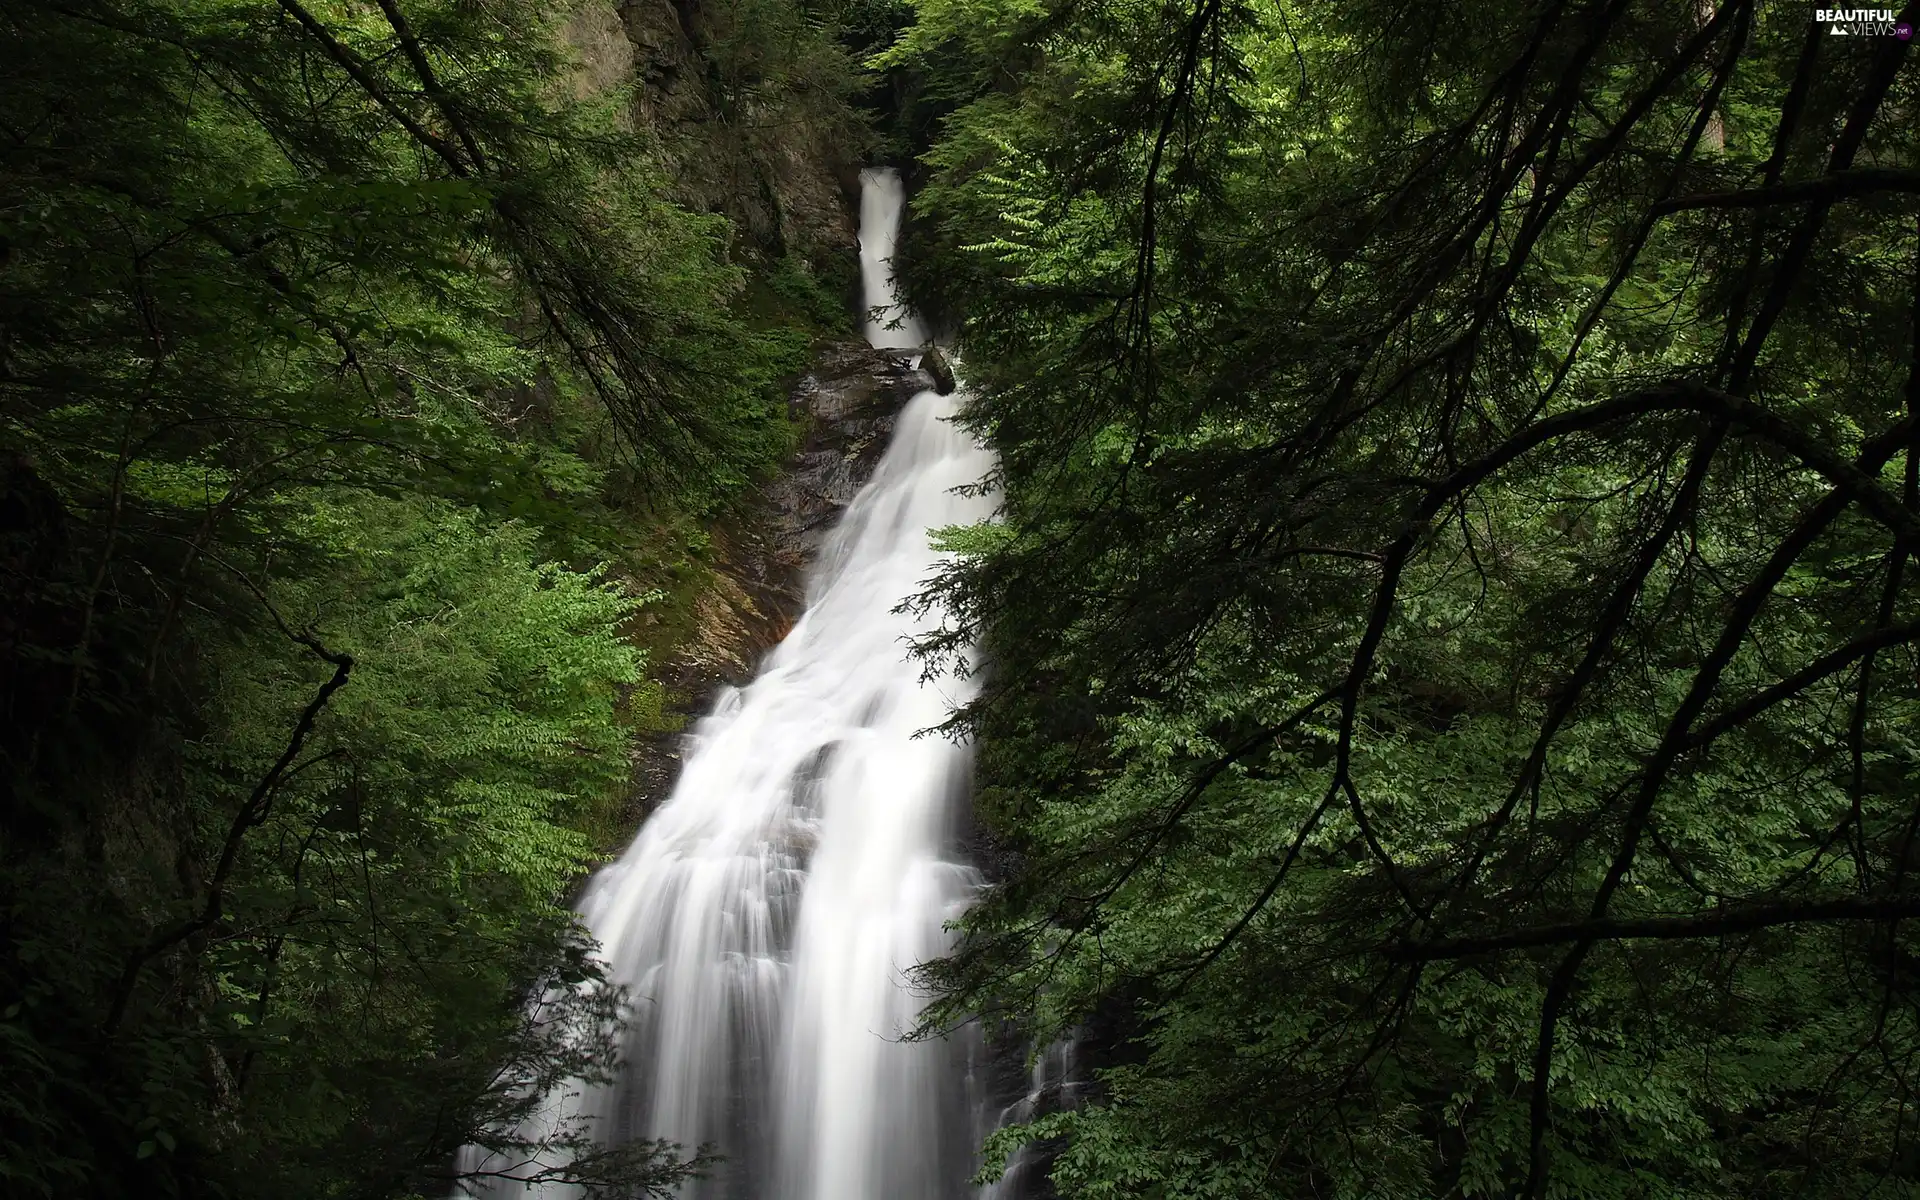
(1453,619)
(820,302)
(336,344)
(426,841)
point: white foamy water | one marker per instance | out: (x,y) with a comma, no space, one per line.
(883,200)
(766,912)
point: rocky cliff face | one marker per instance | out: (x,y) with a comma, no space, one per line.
(760,554)
(748,106)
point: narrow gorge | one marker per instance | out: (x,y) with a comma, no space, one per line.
(769,915)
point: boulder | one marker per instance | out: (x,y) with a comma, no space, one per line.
(936,365)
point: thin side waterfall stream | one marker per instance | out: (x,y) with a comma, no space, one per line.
(766,913)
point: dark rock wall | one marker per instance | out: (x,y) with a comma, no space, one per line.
(749,106)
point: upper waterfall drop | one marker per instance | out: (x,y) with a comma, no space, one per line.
(767,912)
(883,204)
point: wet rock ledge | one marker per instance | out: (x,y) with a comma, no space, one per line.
(760,553)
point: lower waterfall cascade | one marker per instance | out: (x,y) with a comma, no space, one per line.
(767,913)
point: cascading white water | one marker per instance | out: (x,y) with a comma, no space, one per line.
(883,200)
(766,912)
(1053,1085)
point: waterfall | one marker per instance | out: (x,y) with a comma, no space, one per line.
(1054,1083)
(766,912)
(883,199)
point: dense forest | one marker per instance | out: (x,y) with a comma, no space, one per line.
(1451,639)
(361,374)
(1447,646)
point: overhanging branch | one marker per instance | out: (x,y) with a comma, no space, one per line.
(250,814)
(1840,185)
(1726,922)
